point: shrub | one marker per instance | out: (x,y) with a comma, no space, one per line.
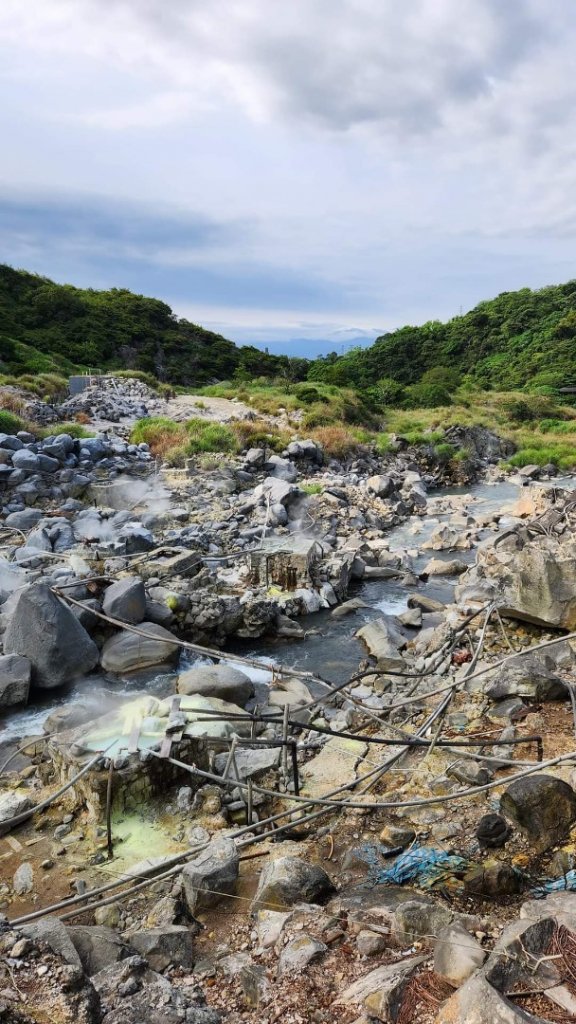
(444,453)
(337,442)
(9,423)
(176,456)
(308,394)
(312,488)
(417,437)
(259,434)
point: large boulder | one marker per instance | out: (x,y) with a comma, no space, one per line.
(384,640)
(457,954)
(289,880)
(15,673)
(531,578)
(128,651)
(217,681)
(44,630)
(170,944)
(125,600)
(131,993)
(543,806)
(211,874)
(97,946)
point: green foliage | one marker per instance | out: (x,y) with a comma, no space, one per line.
(382,443)
(311,488)
(54,328)
(9,423)
(206,436)
(561,455)
(519,340)
(418,437)
(72,429)
(444,453)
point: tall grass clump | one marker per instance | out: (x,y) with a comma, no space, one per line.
(337,442)
(160,433)
(207,436)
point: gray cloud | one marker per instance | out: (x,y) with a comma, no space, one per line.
(403,67)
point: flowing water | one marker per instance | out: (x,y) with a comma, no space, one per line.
(330,648)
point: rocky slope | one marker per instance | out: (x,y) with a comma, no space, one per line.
(398,849)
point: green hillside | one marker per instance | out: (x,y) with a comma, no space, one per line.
(54,328)
(519,340)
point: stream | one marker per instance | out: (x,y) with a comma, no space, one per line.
(330,648)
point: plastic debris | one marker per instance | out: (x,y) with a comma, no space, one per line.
(564,882)
(425,866)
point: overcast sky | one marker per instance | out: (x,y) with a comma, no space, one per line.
(280,169)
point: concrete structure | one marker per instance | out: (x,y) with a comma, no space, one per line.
(284,562)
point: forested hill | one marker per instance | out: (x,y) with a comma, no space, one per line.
(523,339)
(48,327)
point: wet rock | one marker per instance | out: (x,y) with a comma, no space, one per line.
(170,944)
(126,601)
(300,952)
(384,640)
(348,607)
(97,946)
(15,673)
(11,805)
(46,632)
(213,872)
(289,880)
(457,954)
(128,652)
(219,681)
(439,567)
(543,807)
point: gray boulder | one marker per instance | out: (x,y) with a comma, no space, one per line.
(542,806)
(128,652)
(11,805)
(533,677)
(15,673)
(131,993)
(171,944)
(289,880)
(213,872)
(217,681)
(44,630)
(54,934)
(125,600)
(97,946)
(457,954)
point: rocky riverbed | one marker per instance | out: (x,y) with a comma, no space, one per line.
(171,642)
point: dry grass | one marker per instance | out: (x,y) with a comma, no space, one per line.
(337,442)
